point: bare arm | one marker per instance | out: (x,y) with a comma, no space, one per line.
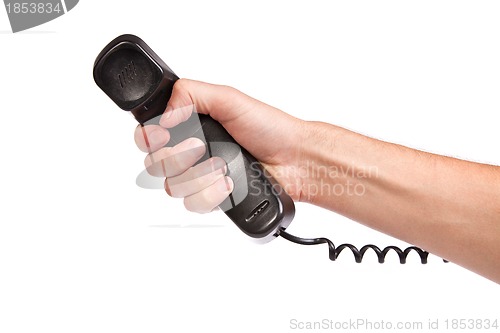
(442,204)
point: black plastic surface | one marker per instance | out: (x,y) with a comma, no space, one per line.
(137,80)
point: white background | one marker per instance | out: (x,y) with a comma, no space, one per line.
(83,249)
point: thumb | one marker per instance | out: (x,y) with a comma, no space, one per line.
(222,103)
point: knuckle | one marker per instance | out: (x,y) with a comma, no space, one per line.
(181,84)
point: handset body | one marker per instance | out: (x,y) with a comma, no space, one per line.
(137,80)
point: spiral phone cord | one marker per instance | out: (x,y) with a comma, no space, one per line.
(334,252)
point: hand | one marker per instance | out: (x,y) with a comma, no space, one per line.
(270,135)
(428,200)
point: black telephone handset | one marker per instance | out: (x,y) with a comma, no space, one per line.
(137,80)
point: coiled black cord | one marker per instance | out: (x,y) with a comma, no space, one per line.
(334,252)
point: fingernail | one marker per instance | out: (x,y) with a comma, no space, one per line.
(158,137)
(225,185)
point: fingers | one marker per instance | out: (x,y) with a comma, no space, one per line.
(204,186)
(173,161)
(220,102)
(209,198)
(196,178)
(150,138)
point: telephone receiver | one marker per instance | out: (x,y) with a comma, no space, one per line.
(137,80)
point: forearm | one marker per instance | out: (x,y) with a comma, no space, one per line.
(448,206)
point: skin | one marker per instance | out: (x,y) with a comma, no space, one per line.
(448,206)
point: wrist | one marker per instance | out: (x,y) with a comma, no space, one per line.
(315,146)
(331,175)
